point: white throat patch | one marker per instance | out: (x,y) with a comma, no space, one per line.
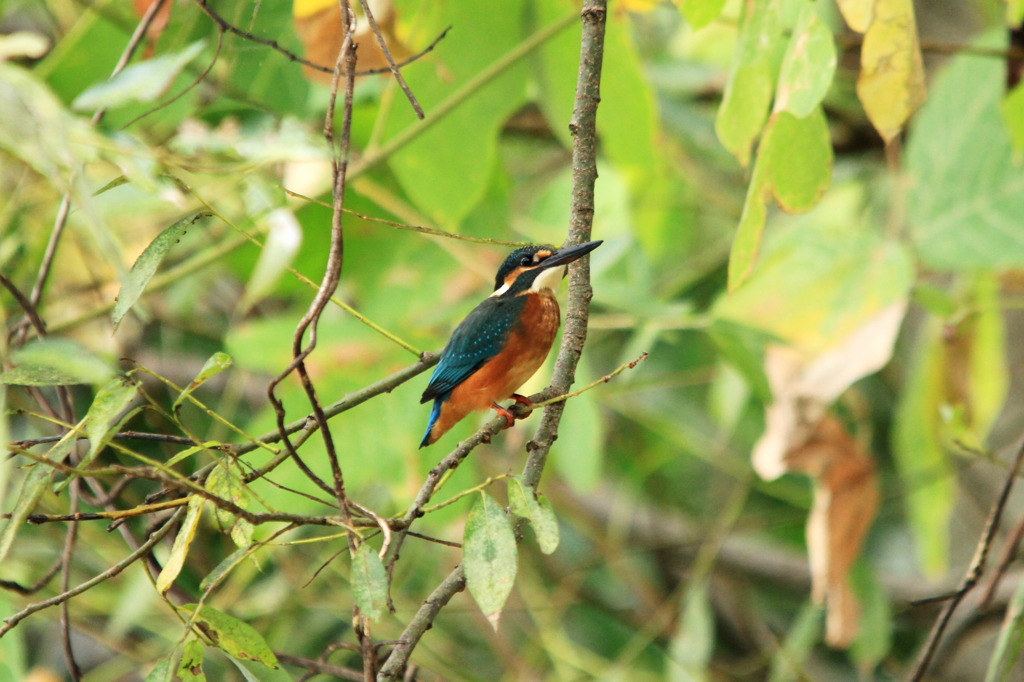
(548,279)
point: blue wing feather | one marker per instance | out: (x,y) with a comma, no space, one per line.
(477,339)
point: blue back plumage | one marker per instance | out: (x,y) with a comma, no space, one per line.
(476,340)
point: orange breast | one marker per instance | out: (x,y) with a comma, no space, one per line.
(528,346)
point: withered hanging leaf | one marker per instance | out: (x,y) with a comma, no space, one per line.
(845,503)
(803,385)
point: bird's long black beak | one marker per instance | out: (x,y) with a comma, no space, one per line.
(569,254)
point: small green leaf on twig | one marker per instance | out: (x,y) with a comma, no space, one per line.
(369,581)
(524,503)
(146,265)
(217,363)
(234,637)
(489,556)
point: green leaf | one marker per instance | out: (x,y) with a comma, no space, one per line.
(446,167)
(162,671)
(988,373)
(146,265)
(102,420)
(217,363)
(489,556)
(821,278)
(747,244)
(254,671)
(1013,116)
(191,667)
(807,67)
(369,581)
(284,236)
(33,486)
(694,640)
(524,503)
(141,82)
(787,664)
(874,636)
(797,158)
(744,108)
(13,649)
(1008,649)
(700,13)
(968,192)
(225,566)
(743,348)
(182,543)
(232,636)
(55,362)
(226,484)
(928,477)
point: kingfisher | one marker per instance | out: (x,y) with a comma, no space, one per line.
(502,341)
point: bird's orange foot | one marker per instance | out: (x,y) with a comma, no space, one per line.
(509,418)
(522,400)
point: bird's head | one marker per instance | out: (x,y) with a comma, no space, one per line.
(537,267)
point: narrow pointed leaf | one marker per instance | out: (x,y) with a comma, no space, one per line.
(1007,653)
(217,363)
(182,543)
(234,637)
(55,362)
(369,581)
(489,555)
(146,266)
(33,486)
(102,420)
(141,82)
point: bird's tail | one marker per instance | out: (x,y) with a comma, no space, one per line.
(434,415)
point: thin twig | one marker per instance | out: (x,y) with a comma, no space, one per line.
(225,25)
(391,60)
(414,228)
(974,571)
(143,549)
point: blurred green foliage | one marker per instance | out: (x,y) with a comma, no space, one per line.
(646,465)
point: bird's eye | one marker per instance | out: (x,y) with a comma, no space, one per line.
(526,260)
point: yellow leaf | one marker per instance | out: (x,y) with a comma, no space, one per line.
(857,13)
(891,83)
(638,5)
(305,8)
(182,542)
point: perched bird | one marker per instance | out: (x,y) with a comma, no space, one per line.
(503,341)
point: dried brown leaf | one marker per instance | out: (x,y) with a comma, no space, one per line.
(845,503)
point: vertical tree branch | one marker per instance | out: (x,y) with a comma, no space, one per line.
(584,176)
